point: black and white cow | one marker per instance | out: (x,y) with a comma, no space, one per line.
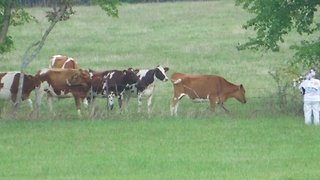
(111,83)
(145,86)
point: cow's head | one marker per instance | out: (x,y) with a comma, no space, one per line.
(30,81)
(79,78)
(161,73)
(130,77)
(39,78)
(240,94)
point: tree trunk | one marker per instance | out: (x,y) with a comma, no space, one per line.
(6,20)
(30,55)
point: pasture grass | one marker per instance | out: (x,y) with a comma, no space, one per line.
(259,140)
(160,148)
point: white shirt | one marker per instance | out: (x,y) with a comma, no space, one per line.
(311,89)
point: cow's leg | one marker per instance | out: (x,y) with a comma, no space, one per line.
(149,94)
(174,106)
(221,102)
(30,104)
(110,103)
(213,101)
(139,102)
(85,103)
(225,109)
(25,97)
(50,104)
(175,103)
(149,103)
(38,96)
(29,101)
(92,106)
(78,105)
(120,99)
(126,99)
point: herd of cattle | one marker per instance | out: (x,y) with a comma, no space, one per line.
(65,78)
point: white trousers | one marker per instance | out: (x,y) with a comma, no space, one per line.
(311,108)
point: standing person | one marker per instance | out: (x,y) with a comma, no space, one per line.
(310,89)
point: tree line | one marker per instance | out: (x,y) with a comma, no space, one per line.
(33,3)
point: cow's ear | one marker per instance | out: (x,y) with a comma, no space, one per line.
(136,71)
(80,73)
(166,69)
(90,70)
(28,76)
(241,86)
(85,74)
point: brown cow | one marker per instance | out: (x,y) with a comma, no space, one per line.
(64,62)
(9,82)
(61,83)
(214,89)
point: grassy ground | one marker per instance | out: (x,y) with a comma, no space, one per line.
(255,141)
(223,148)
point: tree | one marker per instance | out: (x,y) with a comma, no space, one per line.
(11,13)
(275,18)
(62,10)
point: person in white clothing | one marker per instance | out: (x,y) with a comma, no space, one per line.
(310,88)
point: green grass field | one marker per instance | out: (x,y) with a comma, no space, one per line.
(257,140)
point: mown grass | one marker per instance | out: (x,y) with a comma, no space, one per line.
(258,140)
(223,148)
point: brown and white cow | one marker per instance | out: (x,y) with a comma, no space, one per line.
(61,83)
(212,88)
(145,86)
(111,83)
(9,82)
(64,62)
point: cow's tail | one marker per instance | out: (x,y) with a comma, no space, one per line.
(176,81)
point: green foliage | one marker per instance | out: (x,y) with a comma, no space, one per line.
(283,77)
(109,6)
(20,17)
(65,7)
(7,45)
(308,54)
(276,18)
(16,16)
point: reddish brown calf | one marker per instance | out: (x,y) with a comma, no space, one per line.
(214,89)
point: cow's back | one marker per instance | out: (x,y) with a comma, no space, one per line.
(9,83)
(65,62)
(6,81)
(64,77)
(197,86)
